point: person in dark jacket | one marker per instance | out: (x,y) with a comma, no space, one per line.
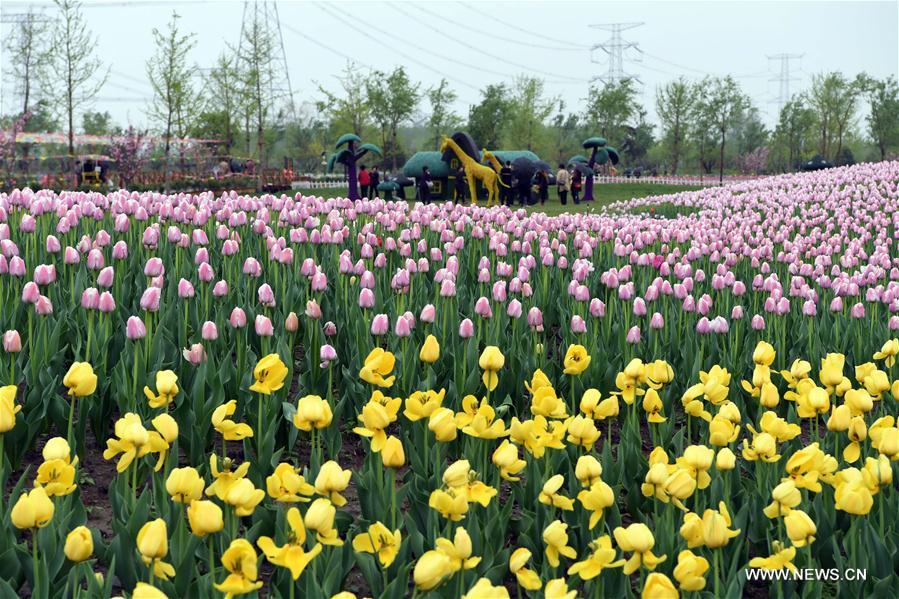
(505,189)
(374,180)
(576,182)
(424,185)
(459,186)
(542,183)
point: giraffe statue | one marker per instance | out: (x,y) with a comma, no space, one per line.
(490,157)
(475,171)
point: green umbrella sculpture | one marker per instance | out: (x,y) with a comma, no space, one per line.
(601,154)
(348,157)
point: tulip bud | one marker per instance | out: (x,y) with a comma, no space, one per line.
(12,342)
(466,329)
(79,544)
(238,318)
(291,323)
(209,331)
(327,354)
(392,454)
(264,327)
(380,324)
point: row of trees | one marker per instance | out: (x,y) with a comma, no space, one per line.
(707,125)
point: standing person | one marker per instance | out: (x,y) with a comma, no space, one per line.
(424,185)
(576,182)
(505,189)
(542,183)
(374,180)
(459,186)
(364,180)
(562,184)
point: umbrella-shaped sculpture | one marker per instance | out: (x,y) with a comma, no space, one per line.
(348,157)
(601,154)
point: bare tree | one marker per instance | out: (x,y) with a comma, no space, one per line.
(72,65)
(256,56)
(27,48)
(674,102)
(170,77)
(222,88)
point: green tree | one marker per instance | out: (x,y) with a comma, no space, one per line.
(393,99)
(528,113)
(834,100)
(352,110)
(442,118)
(701,131)
(97,123)
(73,69)
(611,108)
(723,104)
(221,101)
(565,129)
(883,118)
(487,120)
(795,126)
(170,77)
(749,132)
(637,138)
(674,102)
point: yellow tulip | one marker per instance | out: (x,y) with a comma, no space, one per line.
(459,551)
(205,517)
(659,586)
(451,503)
(602,557)
(557,588)
(431,569)
(227,428)
(785,497)
(79,544)
(430,350)
(287,485)
(780,558)
(549,495)
(312,412)
(240,561)
(421,404)
(483,588)
(637,538)
(147,591)
(691,530)
(491,361)
(225,478)
(852,495)
(393,455)
(292,555)
(378,365)
(545,402)
(725,460)
(442,423)
(527,578)
(243,497)
(381,541)
(269,373)
(763,354)
(505,457)
(320,518)
(690,571)
(331,481)
(33,509)
(716,530)
(166,389)
(184,485)
(576,359)
(538,380)
(653,406)
(57,477)
(80,380)
(587,470)
(582,431)
(800,528)
(595,499)
(832,369)
(555,536)
(8,408)
(153,546)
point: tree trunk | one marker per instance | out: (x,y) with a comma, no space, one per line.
(721,161)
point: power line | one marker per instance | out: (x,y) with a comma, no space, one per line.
(265,19)
(572,46)
(615,47)
(517,65)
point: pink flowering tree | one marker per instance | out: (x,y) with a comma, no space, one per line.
(754,162)
(131,151)
(8,140)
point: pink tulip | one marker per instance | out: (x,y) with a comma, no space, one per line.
(135,329)
(736,312)
(514,309)
(209,331)
(154,267)
(447,288)
(149,301)
(428,313)
(482,308)
(120,250)
(195,354)
(12,342)
(264,327)
(16,267)
(238,318)
(380,324)
(535,319)
(857,310)
(43,306)
(220,289)
(205,272)
(633,335)
(106,303)
(106,277)
(758,322)
(402,328)
(185,289)
(291,323)
(836,304)
(90,298)
(45,274)
(30,292)
(578,325)
(366,298)
(330,329)
(657,322)
(95,260)
(53,245)
(466,329)
(313,310)
(326,355)
(266,296)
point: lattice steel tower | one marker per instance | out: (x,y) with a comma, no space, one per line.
(615,47)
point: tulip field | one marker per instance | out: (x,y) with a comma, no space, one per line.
(216,395)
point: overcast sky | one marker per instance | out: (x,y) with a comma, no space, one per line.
(473,43)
